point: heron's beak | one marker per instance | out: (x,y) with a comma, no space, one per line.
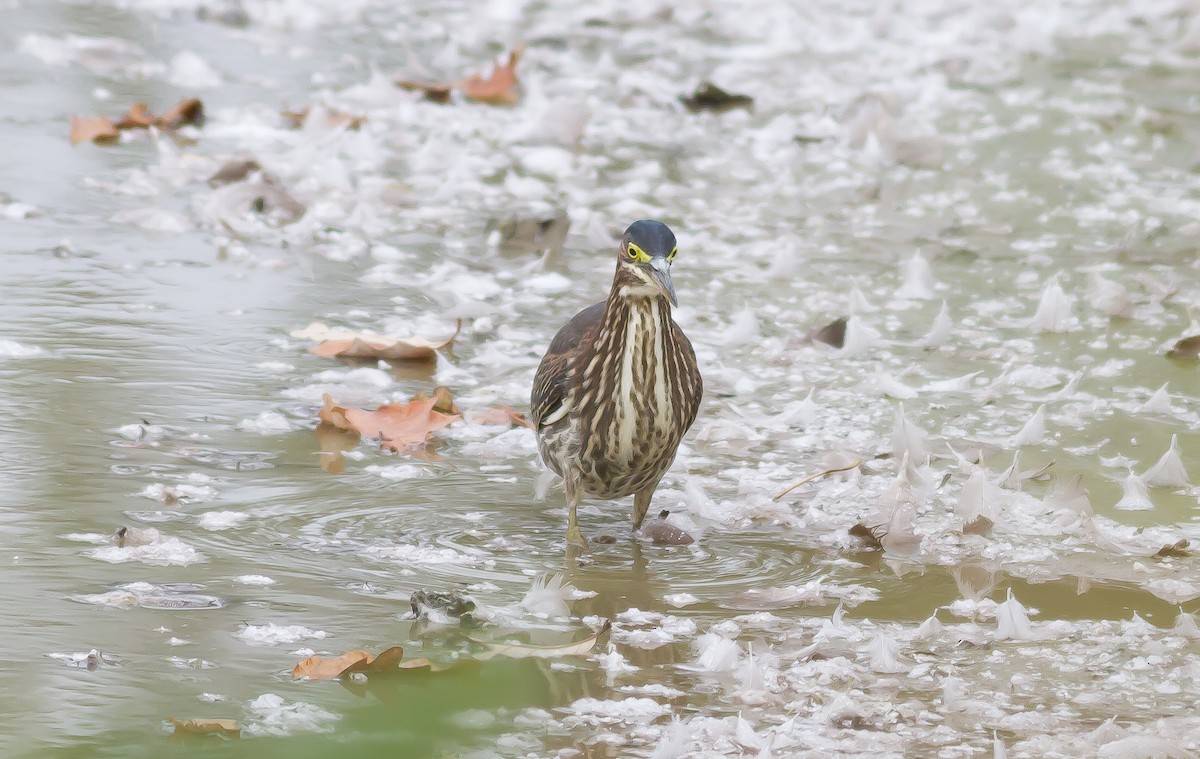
(660,272)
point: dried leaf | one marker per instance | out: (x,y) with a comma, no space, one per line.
(97,129)
(868,536)
(710,97)
(438,93)
(443,401)
(522,651)
(334,415)
(1187,349)
(324,668)
(226,727)
(497,87)
(102,130)
(335,343)
(399,426)
(186,111)
(138,117)
(1178,548)
(388,662)
(980,525)
(833,333)
(234,171)
(505,416)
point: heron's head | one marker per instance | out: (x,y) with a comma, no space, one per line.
(644,260)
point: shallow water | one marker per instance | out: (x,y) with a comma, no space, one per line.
(940,154)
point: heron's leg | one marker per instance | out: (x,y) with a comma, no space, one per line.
(574,535)
(641,504)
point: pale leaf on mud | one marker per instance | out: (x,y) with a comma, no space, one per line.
(97,129)
(337,343)
(102,130)
(389,662)
(499,86)
(399,426)
(226,727)
(1179,548)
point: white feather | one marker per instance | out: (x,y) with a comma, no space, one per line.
(1169,471)
(1135,496)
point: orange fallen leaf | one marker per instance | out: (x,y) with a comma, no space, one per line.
(505,416)
(333,414)
(97,129)
(388,662)
(330,668)
(499,87)
(186,111)
(102,130)
(443,401)
(340,343)
(138,117)
(399,426)
(226,727)
(496,87)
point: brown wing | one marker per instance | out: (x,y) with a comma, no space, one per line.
(550,382)
(695,383)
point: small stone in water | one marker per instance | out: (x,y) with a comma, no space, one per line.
(604,538)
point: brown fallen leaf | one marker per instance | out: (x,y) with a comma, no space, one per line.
(388,662)
(980,525)
(499,87)
(226,727)
(97,129)
(505,416)
(186,111)
(138,117)
(234,170)
(833,333)
(523,651)
(102,130)
(1178,548)
(443,401)
(496,87)
(336,343)
(1187,349)
(399,426)
(710,97)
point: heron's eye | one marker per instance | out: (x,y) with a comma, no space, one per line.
(674,252)
(637,254)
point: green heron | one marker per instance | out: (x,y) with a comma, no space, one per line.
(619,386)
